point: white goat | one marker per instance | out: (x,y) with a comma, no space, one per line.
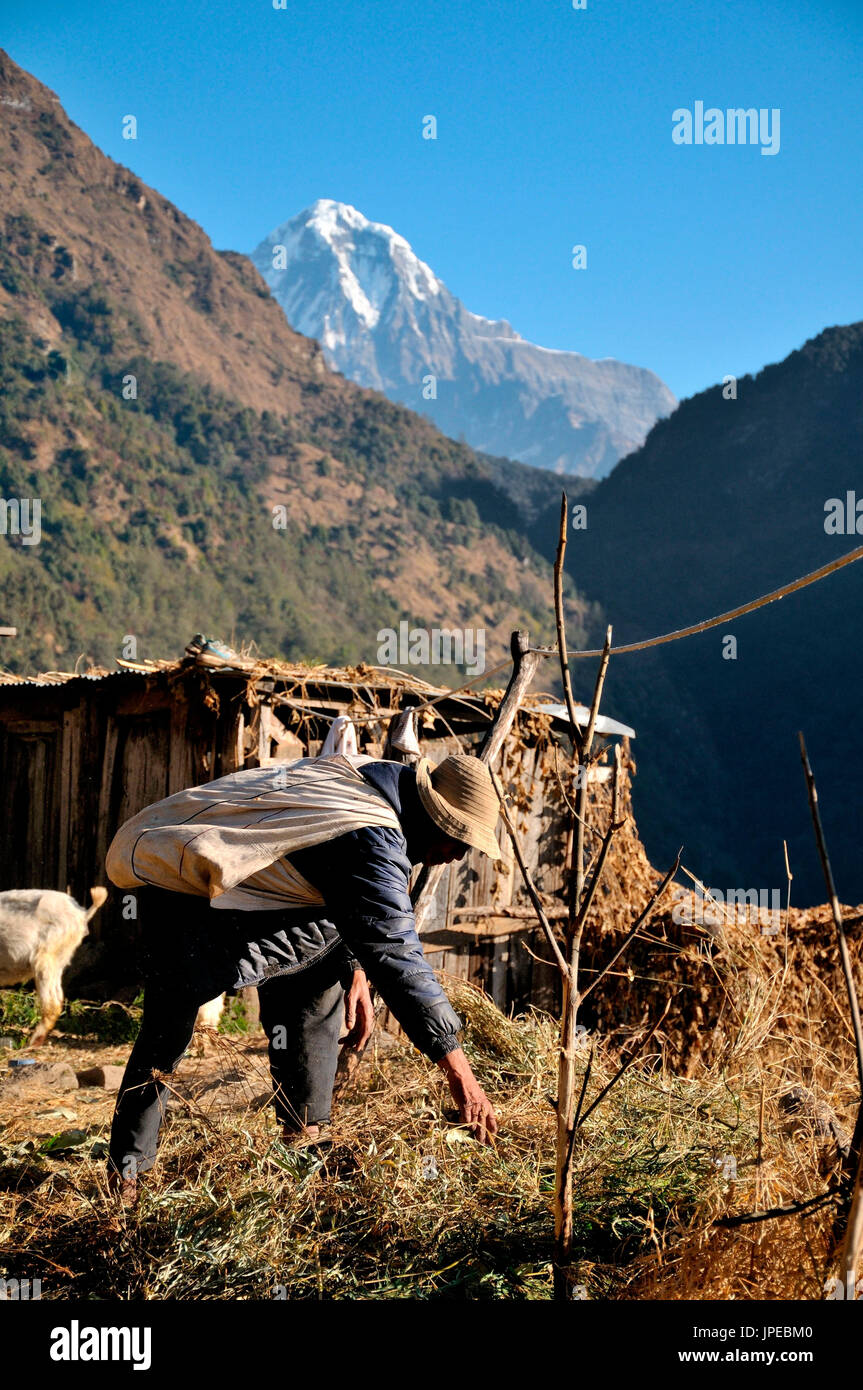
(40,931)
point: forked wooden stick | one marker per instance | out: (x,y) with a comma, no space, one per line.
(844,955)
(852,1243)
(566,1099)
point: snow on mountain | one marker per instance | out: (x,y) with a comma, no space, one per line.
(385,320)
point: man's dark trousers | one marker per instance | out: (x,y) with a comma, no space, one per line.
(190,956)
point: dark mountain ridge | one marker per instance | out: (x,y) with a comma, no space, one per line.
(725,501)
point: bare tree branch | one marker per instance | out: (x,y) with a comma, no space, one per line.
(574,734)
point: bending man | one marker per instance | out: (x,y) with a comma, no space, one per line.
(295,879)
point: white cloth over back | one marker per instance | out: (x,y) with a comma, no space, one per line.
(227,840)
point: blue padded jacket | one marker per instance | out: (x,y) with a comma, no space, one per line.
(364,878)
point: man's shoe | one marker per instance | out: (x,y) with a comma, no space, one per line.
(209,651)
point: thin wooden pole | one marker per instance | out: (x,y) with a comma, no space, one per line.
(852,1242)
(852,1247)
(566,1100)
(844,954)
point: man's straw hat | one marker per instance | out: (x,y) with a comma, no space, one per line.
(459,796)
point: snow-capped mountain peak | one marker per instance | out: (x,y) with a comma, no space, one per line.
(342,227)
(384,319)
(367,263)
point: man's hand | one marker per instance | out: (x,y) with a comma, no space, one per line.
(474,1106)
(359,1012)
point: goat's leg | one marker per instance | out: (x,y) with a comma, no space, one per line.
(49,996)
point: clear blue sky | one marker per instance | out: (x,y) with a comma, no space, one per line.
(554,127)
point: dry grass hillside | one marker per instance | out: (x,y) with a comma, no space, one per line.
(192,305)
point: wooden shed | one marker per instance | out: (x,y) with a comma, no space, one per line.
(79,754)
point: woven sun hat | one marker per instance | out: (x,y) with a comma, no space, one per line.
(459,796)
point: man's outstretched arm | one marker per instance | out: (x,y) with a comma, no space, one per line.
(367,893)
(474,1106)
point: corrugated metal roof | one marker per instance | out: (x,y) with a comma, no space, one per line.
(604,725)
(354,677)
(54,678)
